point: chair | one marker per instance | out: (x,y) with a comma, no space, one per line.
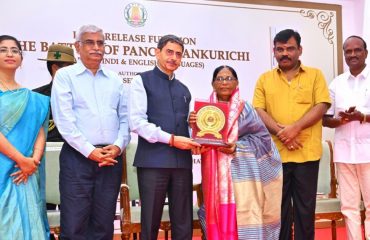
(328,206)
(130,215)
(52,183)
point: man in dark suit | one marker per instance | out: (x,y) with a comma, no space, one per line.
(158,112)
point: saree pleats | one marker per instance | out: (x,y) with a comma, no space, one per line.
(22,207)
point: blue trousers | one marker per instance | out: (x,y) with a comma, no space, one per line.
(88,196)
(154,185)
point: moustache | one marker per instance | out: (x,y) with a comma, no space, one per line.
(172,62)
(96,52)
(285,58)
(356,58)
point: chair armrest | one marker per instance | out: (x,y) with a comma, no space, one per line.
(125,204)
(198,189)
(333,178)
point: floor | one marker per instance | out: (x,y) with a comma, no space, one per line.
(320,234)
(322,231)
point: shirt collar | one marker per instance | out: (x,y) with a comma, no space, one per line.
(302,68)
(362,75)
(81,68)
(165,75)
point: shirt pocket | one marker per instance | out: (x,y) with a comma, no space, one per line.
(366,100)
(303,96)
(110,100)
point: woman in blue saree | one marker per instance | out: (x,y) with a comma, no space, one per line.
(23,115)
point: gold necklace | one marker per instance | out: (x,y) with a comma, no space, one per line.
(6,87)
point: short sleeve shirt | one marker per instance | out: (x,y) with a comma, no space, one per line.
(287,102)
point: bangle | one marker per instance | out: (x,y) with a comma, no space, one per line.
(172,140)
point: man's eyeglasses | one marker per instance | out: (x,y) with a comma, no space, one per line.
(14,51)
(228,79)
(91,43)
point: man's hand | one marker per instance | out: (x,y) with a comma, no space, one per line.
(351,115)
(100,156)
(112,151)
(184,143)
(288,133)
(293,145)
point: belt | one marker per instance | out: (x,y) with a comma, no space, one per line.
(101,145)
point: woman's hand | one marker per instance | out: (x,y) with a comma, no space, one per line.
(19,177)
(192,119)
(27,165)
(36,161)
(200,150)
(229,149)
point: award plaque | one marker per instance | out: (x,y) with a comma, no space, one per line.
(211,123)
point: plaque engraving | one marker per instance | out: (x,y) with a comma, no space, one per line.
(211,123)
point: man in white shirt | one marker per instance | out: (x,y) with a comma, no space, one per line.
(89,109)
(350,115)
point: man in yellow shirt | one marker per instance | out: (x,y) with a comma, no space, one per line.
(291,100)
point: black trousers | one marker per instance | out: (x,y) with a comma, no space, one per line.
(154,184)
(299,200)
(88,196)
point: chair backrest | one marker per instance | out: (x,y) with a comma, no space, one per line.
(130,173)
(326,171)
(52,171)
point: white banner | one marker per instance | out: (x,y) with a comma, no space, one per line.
(215,33)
